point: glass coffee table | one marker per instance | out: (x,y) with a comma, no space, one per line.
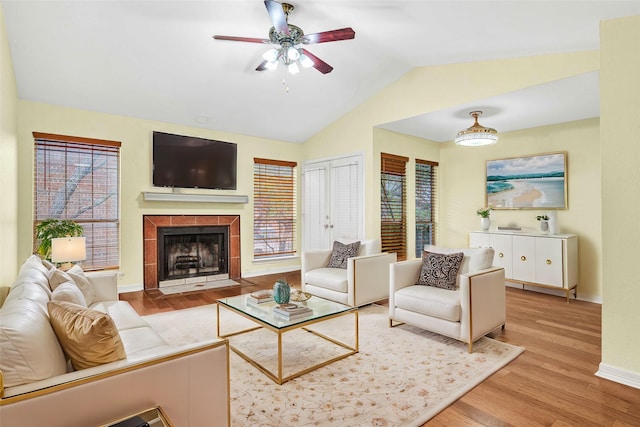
(264,318)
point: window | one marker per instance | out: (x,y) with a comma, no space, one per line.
(393,217)
(77,179)
(274,208)
(426,190)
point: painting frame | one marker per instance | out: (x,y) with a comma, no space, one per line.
(536,181)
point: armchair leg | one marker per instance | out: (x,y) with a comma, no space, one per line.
(391,325)
(470,347)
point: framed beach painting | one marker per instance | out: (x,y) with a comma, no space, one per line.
(530,182)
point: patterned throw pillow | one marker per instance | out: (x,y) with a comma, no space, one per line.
(440,270)
(341,252)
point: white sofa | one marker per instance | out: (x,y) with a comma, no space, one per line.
(365,280)
(474,309)
(39,386)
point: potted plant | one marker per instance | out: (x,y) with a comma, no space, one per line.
(52,228)
(544,222)
(484,214)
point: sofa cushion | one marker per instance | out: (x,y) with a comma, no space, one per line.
(68,292)
(440,270)
(29,349)
(88,337)
(430,301)
(341,253)
(330,278)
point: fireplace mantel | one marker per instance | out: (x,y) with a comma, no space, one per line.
(150,196)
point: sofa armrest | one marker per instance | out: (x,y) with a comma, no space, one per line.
(105,285)
(401,275)
(199,370)
(368,278)
(483,298)
(312,259)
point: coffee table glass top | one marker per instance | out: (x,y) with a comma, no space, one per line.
(263,312)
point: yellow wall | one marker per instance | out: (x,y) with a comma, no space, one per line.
(135,177)
(620,126)
(8,157)
(463,190)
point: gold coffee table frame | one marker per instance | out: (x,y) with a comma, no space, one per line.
(262,314)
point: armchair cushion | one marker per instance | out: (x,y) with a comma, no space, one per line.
(440,270)
(341,253)
(438,302)
(335,279)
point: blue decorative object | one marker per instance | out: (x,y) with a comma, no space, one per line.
(281,292)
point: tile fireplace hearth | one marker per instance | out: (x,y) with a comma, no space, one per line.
(152,224)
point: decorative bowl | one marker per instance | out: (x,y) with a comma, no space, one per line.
(299,296)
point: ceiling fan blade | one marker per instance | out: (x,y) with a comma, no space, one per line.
(318,63)
(276,12)
(329,36)
(262,66)
(242,39)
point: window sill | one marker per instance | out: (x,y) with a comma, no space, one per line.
(275,259)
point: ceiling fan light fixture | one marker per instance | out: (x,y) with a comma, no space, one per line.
(271,55)
(271,65)
(293,68)
(476,135)
(305,61)
(293,54)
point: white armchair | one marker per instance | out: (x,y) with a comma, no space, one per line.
(474,309)
(365,280)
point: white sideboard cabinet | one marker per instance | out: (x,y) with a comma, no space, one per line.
(548,261)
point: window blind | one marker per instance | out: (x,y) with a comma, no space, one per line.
(426,204)
(77,178)
(393,218)
(274,208)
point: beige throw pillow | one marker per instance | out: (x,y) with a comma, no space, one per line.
(88,337)
(68,292)
(77,277)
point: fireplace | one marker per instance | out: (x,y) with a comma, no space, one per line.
(192,252)
(191,246)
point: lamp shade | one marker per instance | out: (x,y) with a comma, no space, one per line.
(68,249)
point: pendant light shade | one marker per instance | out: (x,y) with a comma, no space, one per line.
(477,135)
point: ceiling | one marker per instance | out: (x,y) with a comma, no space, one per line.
(157,60)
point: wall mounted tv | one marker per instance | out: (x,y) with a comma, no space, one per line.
(190,162)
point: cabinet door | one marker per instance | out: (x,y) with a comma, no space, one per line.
(524,254)
(479,240)
(503,253)
(549,261)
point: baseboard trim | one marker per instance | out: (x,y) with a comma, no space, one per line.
(596,300)
(619,375)
(130,288)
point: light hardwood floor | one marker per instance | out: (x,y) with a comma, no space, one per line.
(551,384)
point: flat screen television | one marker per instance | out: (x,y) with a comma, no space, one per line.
(190,162)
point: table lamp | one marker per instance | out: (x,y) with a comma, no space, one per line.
(66,250)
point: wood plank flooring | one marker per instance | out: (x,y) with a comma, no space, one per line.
(551,384)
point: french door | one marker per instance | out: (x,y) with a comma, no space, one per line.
(332,201)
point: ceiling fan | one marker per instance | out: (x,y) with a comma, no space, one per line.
(289,40)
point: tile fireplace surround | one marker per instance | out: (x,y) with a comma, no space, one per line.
(150,235)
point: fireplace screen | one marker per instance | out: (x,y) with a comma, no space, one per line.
(192,251)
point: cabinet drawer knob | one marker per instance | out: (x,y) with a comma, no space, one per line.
(548,262)
(500,254)
(523,258)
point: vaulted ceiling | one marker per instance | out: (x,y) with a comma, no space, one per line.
(157,59)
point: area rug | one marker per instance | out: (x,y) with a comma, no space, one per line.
(402,376)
